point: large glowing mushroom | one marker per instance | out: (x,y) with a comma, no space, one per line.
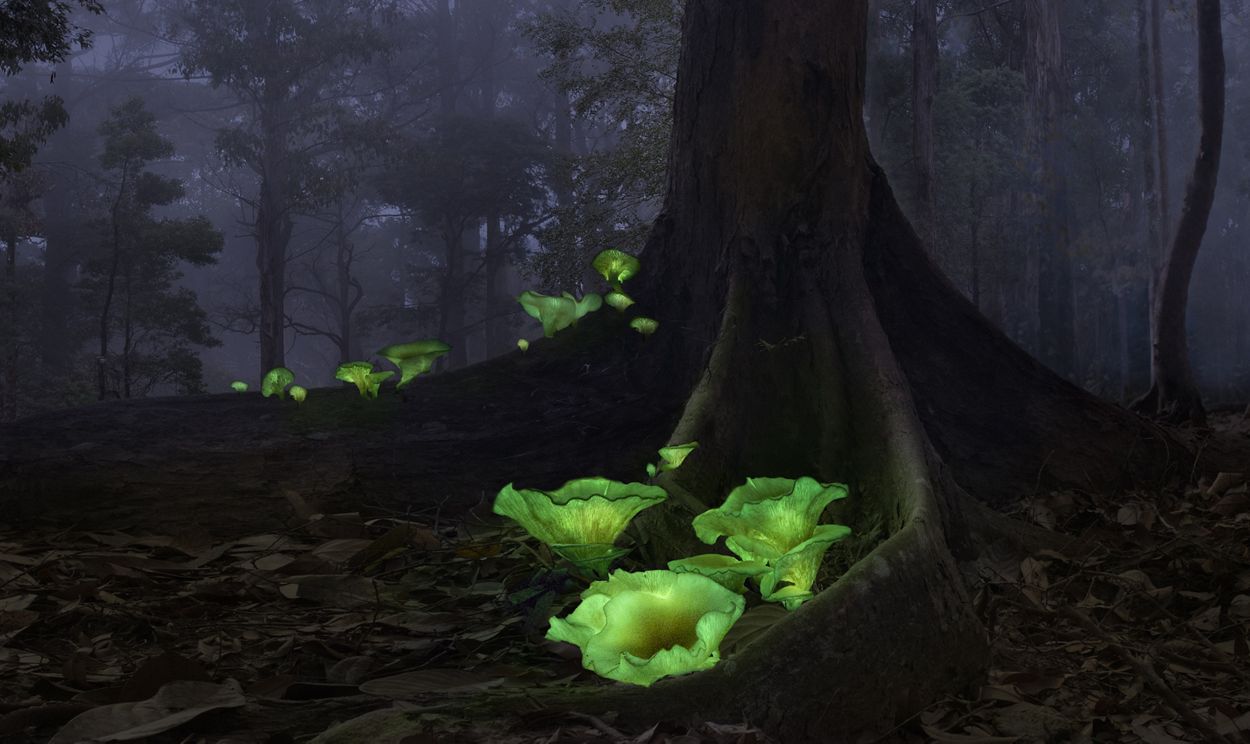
(775,521)
(582,519)
(641,627)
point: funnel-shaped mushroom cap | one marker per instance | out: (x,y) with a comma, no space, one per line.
(725,570)
(276,382)
(792,575)
(558,313)
(414,358)
(587,511)
(616,266)
(361,375)
(299,393)
(675,455)
(641,627)
(767,517)
(618,300)
(523,344)
(645,326)
(239,386)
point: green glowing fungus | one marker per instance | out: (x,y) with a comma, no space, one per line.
(361,375)
(276,382)
(618,300)
(580,520)
(645,326)
(641,627)
(298,393)
(239,386)
(558,313)
(616,266)
(775,521)
(523,344)
(413,358)
(725,570)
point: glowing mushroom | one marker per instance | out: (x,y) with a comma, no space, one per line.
(582,519)
(725,570)
(558,313)
(414,358)
(641,627)
(616,266)
(775,521)
(276,382)
(298,393)
(239,386)
(361,375)
(645,326)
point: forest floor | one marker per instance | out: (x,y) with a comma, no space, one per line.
(1136,632)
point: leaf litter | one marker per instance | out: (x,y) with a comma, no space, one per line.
(316,633)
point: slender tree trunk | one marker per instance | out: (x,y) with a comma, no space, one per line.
(1045,76)
(273,236)
(8,393)
(1147,145)
(1161,130)
(451,322)
(497,299)
(61,251)
(924,54)
(128,326)
(111,287)
(1174,392)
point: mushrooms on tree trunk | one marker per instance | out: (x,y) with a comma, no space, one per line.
(819,340)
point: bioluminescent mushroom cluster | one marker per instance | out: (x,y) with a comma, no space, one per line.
(639,627)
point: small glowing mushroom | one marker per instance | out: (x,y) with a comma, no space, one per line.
(616,266)
(298,393)
(361,375)
(580,520)
(790,579)
(558,313)
(239,386)
(523,344)
(645,326)
(618,300)
(414,358)
(775,521)
(725,570)
(276,382)
(641,627)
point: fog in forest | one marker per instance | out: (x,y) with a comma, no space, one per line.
(246,184)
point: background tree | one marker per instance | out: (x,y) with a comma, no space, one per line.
(32,31)
(1173,392)
(132,281)
(288,64)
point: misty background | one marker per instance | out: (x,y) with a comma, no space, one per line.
(244,184)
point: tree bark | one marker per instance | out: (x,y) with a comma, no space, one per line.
(809,334)
(1174,393)
(273,235)
(924,51)
(8,390)
(1161,128)
(1045,77)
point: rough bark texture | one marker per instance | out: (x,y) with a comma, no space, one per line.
(1046,79)
(1174,393)
(924,76)
(806,332)
(1161,121)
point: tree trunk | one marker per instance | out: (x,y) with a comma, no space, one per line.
(1045,77)
(1161,128)
(8,390)
(1173,391)
(497,299)
(924,73)
(273,235)
(809,334)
